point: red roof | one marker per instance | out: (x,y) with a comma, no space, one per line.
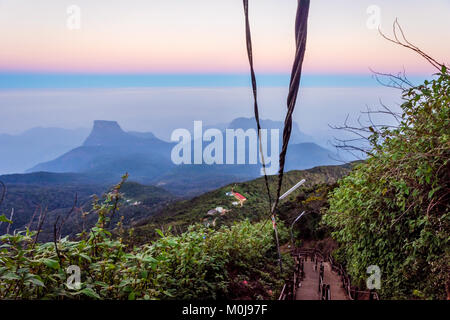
(239,196)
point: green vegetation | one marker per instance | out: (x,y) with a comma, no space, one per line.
(393,210)
(233,262)
(29,199)
(179,215)
(147,195)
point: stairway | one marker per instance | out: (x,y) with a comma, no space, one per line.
(308,289)
(337,292)
(319,277)
(309,286)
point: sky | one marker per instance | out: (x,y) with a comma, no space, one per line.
(154,65)
(207,36)
(162,110)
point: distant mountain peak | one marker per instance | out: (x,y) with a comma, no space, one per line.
(104,125)
(105,133)
(297,136)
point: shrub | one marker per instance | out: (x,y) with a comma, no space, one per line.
(199,264)
(393,209)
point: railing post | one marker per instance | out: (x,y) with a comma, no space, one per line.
(289,289)
(321,277)
(302,269)
(325,293)
(301,256)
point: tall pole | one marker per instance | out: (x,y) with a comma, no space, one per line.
(274,223)
(292,226)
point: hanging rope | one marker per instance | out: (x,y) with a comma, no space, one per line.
(255,95)
(301,29)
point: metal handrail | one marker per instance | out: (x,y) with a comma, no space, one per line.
(282,294)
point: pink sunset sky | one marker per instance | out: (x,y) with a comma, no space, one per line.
(207,36)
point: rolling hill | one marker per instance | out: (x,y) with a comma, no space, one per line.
(181,214)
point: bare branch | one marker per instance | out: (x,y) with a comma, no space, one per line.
(42,217)
(396,81)
(404,42)
(68,214)
(10,219)
(55,237)
(32,217)
(372,134)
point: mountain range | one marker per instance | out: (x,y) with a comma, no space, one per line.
(109,151)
